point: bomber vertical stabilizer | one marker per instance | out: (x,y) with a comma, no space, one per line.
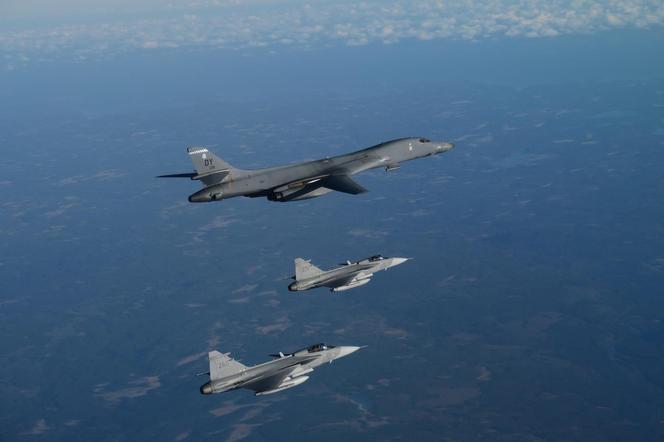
(210,169)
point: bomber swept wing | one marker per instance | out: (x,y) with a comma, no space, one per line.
(312,185)
(342,183)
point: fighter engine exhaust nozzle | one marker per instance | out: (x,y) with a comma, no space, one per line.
(206,388)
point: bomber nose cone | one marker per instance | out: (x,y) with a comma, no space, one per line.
(444,147)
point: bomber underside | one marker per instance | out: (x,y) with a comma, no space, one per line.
(295,194)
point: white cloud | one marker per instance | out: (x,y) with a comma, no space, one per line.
(259,23)
(40,427)
(137,388)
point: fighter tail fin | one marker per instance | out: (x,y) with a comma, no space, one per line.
(304,269)
(222,365)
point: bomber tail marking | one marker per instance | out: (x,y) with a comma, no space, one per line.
(209,168)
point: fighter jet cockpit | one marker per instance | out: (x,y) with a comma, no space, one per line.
(376,258)
(319,347)
(425,140)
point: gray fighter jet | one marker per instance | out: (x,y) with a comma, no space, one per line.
(303,180)
(348,276)
(285,371)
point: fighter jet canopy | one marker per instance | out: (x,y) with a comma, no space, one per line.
(376,258)
(318,347)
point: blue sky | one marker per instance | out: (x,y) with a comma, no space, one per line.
(40,29)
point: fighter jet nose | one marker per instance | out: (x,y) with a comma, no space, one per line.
(346,350)
(397,261)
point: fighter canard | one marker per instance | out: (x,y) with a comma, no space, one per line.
(348,276)
(303,180)
(285,371)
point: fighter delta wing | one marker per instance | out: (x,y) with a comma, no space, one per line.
(350,275)
(286,371)
(303,180)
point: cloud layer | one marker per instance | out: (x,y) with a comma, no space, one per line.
(238,24)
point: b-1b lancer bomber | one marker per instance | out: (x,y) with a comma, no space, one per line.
(348,276)
(285,371)
(302,180)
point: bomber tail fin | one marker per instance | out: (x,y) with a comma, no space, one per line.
(210,168)
(304,269)
(222,365)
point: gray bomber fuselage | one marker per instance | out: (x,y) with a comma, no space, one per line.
(309,179)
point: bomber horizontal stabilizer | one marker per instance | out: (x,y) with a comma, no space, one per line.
(208,178)
(342,183)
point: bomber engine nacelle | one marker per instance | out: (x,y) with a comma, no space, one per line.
(206,195)
(283,193)
(297,194)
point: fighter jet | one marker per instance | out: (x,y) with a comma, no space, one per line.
(284,371)
(303,180)
(348,276)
